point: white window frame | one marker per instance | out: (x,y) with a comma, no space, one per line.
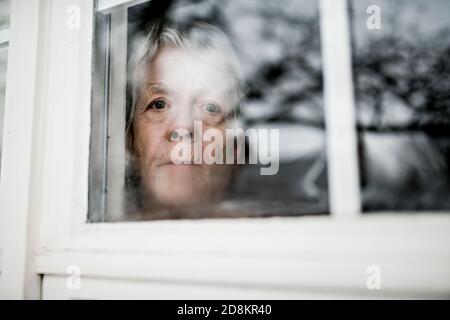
(217,258)
(4,41)
(18,152)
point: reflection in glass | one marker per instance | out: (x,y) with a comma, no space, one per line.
(5,8)
(402,80)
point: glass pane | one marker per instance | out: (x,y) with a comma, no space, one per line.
(223,114)
(402,78)
(5,8)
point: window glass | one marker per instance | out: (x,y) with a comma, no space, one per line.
(5,7)
(401,63)
(220,113)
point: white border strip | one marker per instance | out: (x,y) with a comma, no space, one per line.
(343,173)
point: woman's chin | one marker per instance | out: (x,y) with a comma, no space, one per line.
(180,186)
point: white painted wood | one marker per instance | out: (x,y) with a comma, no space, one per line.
(343,173)
(55,288)
(310,254)
(4,39)
(44,124)
(16,226)
(65,146)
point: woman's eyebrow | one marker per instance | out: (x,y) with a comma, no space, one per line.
(155,88)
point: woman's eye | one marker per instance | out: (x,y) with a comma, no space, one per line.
(213,108)
(158,105)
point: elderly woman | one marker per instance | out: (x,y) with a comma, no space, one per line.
(179,77)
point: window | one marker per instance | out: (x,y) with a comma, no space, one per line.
(67,116)
(401,64)
(283,165)
(4,39)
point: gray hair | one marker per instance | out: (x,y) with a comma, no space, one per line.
(199,36)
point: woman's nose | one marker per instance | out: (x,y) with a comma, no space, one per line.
(181,124)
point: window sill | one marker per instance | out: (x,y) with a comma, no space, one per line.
(313,253)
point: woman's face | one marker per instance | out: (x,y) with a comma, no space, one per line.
(182,87)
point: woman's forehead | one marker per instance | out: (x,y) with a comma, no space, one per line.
(201,71)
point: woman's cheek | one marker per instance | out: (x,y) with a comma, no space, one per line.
(143,140)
